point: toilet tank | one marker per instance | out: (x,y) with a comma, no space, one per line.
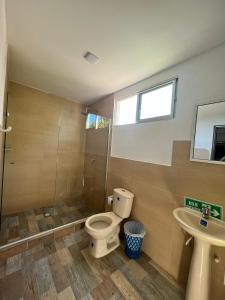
(122,202)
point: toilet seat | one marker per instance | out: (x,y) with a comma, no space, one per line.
(100,225)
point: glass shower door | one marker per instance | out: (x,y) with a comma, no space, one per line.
(2,150)
(96,162)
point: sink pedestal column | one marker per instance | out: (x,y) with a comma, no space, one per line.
(199,275)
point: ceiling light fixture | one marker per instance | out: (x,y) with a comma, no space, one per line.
(91,58)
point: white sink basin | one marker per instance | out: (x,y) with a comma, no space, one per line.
(189,220)
(205,237)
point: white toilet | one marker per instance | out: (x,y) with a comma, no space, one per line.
(104,228)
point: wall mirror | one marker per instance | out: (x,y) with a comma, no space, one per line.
(209,138)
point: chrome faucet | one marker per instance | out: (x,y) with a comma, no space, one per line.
(206,212)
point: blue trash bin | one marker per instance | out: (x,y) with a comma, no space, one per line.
(134,234)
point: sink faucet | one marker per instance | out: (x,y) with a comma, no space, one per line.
(206,212)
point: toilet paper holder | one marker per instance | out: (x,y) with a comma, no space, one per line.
(110,200)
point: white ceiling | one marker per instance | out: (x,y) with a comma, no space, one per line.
(133,38)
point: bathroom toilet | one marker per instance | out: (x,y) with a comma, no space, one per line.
(104,228)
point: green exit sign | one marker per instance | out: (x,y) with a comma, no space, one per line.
(216,211)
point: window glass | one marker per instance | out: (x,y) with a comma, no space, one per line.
(91,121)
(157,102)
(102,122)
(126,111)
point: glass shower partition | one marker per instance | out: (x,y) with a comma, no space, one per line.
(97,143)
(49,183)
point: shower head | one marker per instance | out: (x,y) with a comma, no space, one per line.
(84,113)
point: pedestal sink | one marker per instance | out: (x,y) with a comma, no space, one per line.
(204,237)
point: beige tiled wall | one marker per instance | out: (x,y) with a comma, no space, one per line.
(45,162)
(103,107)
(70,163)
(160,189)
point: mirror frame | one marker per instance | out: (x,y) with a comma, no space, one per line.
(216,162)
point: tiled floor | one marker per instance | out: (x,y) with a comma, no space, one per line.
(25,224)
(64,269)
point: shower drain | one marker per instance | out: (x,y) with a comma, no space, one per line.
(47,214)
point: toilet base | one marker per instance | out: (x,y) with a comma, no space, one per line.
(100,248)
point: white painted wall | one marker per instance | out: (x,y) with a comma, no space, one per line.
(208,116)
(201,80)
(3,56)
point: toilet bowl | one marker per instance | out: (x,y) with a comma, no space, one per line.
(104,228)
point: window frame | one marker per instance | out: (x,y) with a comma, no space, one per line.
(173,102)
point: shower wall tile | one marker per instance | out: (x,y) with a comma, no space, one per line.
(70,162)
(103,107)
(45,162)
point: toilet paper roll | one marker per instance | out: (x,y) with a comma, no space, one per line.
(110,200)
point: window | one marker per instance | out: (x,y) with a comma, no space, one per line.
(156,103)
(126,111)
(91,121)
(95,122)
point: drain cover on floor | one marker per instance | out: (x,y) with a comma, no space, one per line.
(47,214)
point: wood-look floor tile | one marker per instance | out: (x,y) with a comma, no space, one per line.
(2,268)
(43,275)
(76,253)
(59,244)
(59,275)
(83,243)
(37,241)
(50,247)
(29,275)
(12,286)
(99,268)
(33,221)
(164,286)
(39,217)
(42,253)
(64,256)
(33,226)
(135,269)
(82,279)
(13,264)
(13,221)
(124,286)
(13,234)
(60,269)
(144,263)
(106,265)
(49,295)
(157,283)
(13,251)
(64,232)
(141,281)
(66,294)
(106,290)
(149,290)
(69,240)
(87,297)
(113,260)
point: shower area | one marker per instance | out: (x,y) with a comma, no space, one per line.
(55,164)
